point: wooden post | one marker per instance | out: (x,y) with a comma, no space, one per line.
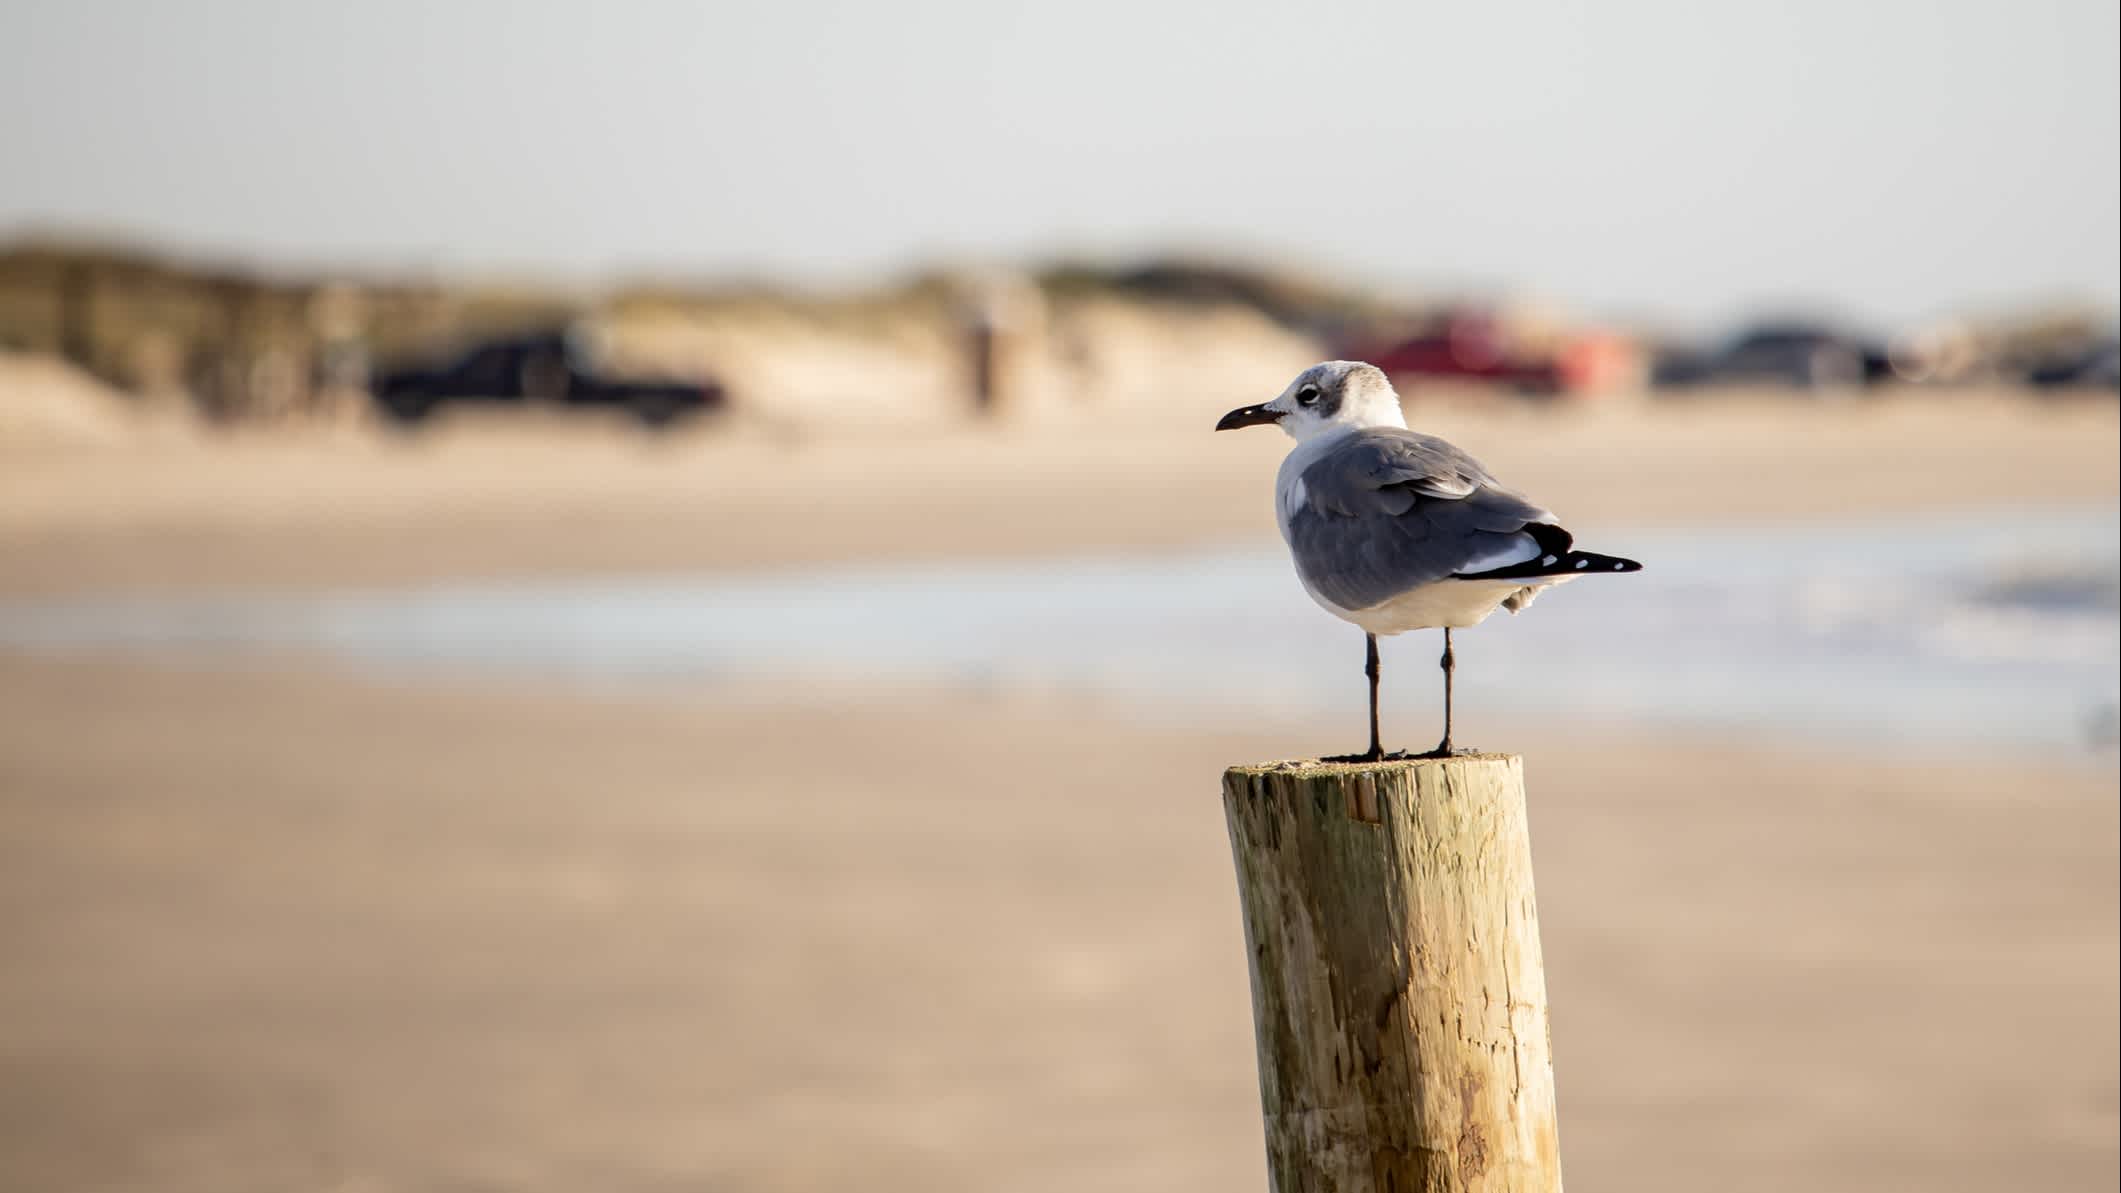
(1397,988)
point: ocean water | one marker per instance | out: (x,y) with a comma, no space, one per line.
(1991,631)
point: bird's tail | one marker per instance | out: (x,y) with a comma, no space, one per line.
(1559,563)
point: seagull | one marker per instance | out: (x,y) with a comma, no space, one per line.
(1394,530)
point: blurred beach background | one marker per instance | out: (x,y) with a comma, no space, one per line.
(640,597)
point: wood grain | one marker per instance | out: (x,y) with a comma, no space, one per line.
(1397,986)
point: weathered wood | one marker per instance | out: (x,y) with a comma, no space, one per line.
(1397,987)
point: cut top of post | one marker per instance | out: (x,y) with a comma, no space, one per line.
(1358,781)
(1304,768)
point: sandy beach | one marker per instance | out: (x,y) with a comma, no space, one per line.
(271,925)
(276,930)
(533,498)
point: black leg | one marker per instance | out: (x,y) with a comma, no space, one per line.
(1450,666)
(1449,663)
(1370,668)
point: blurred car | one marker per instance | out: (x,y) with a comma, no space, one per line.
(1799,356)
(2096,367)
(545,367)
(1477,346)
(1466,348)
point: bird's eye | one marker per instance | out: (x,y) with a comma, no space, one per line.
(1307,395)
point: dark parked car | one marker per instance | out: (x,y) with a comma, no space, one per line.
(1800,356)
(2095,367)
(541,367)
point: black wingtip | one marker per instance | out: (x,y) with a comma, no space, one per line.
(1567,563)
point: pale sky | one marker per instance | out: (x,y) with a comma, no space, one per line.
(1673,159)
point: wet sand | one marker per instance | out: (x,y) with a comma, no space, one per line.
(272,929)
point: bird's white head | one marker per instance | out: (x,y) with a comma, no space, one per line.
(1339,395)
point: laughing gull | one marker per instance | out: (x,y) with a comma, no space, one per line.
(1394,530)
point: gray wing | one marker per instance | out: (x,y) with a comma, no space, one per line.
(1391,510)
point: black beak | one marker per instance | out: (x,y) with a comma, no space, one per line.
(1248,416)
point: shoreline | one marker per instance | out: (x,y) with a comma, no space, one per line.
(1150,634)
(1322,733)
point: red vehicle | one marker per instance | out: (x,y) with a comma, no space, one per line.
(1470,348)
(1475,347)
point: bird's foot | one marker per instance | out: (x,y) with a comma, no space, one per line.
(1374,756)
(1443,750)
